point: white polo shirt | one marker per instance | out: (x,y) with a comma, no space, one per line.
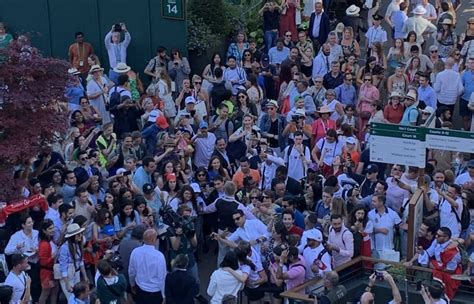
(389,219)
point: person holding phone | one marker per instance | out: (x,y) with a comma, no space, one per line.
(116,48)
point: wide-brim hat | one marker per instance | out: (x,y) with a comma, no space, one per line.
(447,21)
(396,94)
(121,68)
(272,103)
(73,71)
(411,95)
(352,10)
(73,229)
(325,110)
(419,10)
(95,68)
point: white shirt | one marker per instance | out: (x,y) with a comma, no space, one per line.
(147,269)
(321,65)
(18,283)
(329,150)
(223,283)
(267,171)
(121,47)
(335,53)
(376,35)
(30,244)
(448,86)
(447,218)
(389,219)
(463,178)
(296,167)
(310,257)
(252,230)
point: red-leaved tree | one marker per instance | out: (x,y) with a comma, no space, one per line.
(31,89)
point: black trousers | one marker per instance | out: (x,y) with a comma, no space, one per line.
(145,297)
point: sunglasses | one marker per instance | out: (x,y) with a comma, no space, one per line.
(265,196)
(368,79)
(435,51)
(241,96)
(201,174)
(254,197)
(318,81)
(84,158)
(197,82)
(247,55)
(288,35)
(457,54)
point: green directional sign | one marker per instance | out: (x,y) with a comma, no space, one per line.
(450,140)
(395,144)
(172,9)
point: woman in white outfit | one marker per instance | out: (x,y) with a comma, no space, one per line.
(97,92)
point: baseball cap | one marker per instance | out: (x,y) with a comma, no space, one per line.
(428,109)
(314,234)
(120,171)
(190,99)
(148,188)
(300,112)
(203,125)
(273,103)
(350,140)
(170,177)
(372,168)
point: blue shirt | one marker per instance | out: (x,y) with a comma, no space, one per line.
(276,56)
(468,82)
(299,217)
(346,94)
(141,177)
(428,95)
(410,116)
(398,19)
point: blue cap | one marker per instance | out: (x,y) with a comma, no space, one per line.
(203,125)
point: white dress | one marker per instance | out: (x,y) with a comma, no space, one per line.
(94,87)
(165,94)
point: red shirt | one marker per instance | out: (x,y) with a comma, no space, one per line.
(319,128)
(295,230)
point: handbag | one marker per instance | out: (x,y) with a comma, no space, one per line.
(71,271)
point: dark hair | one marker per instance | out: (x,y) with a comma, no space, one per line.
(104,267)
(446,231)
(352,217)
(383,183)
(78,34)
(147,160)
(381,198)
(457,187)
(79,191)
(221,170)
(336,217)
(161,49)
(80,288)
(288,211)
(122,79)
(180,196)
(24,217)
(239,212)
(279,40)
(231,57)
(282,170)
(17,258)
(242,252)
(64,208)
(122,216)
(137,232)
(100,219)
(53,198)
(293,252)
(218,72)
(181,261)
(297,133)
(403,6)
(45,225)
(230,260)
(436,288)
(281,230)
(243,159)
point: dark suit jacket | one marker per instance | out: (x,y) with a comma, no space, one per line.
(180,288)
(293,187)
(324,28)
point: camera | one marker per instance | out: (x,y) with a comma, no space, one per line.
(379,275)
(117,27)
(175,221)
(296,118)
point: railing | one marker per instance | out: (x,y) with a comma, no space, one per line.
(294,294)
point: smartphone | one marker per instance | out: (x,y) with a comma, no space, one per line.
(379,275)
(127,173)
(192,112)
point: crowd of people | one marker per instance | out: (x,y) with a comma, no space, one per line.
(264,159)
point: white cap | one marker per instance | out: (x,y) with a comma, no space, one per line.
(190,99)
(314,234)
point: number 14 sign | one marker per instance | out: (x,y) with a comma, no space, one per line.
(172,9)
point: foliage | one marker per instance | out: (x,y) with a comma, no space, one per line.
(32,87)
(200,36)
(213,14)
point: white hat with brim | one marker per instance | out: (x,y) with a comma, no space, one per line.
(411,95)
(73,71)
(272,103)
(95,68)
(419,10)
(428,109)
(73,229)
(447,21)
(396,94)
(324,110)
(121,68)
(300,112)
(352,10)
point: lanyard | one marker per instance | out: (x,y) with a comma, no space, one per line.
(81,57)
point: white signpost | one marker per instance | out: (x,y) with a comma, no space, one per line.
(395,144)
(451,140)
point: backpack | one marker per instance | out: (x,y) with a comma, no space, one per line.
(219,93)
(115,97)
(227,122)
(465,219)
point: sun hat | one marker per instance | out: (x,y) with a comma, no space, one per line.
(95,68)
(73,71)
(272,103)
(324,110)
(447,21)
(73,229)
(352,10)
(396,94)
(419,10)
(428,109)
(411,95)
(121,68)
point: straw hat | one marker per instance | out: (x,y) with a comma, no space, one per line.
(73,71)
(324,110)
(352,10)
(447,21)
(121,68)
(95,68)
(73,229)
(419,10)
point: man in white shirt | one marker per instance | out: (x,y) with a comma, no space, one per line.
(384,221)
(418,24)
(375,33)
(147,271)
(268,168)
(252,231)
(297,157)
(317,258)
(448,86)
(204,142)
(336,49)
(450,209)
(19,280)
(430,11)
(234,74)
(117,49)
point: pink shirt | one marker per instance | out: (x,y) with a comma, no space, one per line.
(319,128)
(296,274)
(344,240)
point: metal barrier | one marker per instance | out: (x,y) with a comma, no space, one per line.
(358,266)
